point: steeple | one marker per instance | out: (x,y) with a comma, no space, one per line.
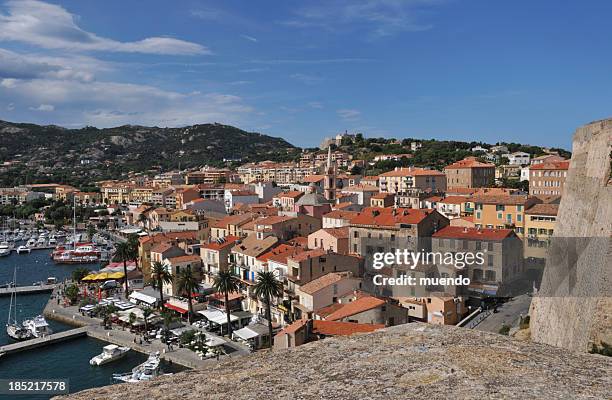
(330,177)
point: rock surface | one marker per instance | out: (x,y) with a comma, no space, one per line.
(412,361)
(574,306)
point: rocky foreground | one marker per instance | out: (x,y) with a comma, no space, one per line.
(412,361)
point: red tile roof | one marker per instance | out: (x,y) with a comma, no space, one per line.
(454,200)
(280,253)
(328,310)
(382,195)
(469,162)
(355,307)
(187,258)
(341,214)
(308,254)
(543,209)
(459,232)
(336,328)
(294,194)
(390,216)
(339,233)
(503,199)
(228,241)
(324,281)
(562,165)
(410,171)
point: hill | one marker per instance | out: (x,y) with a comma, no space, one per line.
(52,153)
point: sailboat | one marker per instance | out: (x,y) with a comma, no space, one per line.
(14,329)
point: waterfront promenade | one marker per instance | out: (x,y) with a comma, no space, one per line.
(118,336)
(43,341)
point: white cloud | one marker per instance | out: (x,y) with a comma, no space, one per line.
(10,107)
(107,104)
(315,104)
(379,17)
(348,114)
(53,27)
(43,107)
(249,38)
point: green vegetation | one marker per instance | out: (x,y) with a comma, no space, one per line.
(188,284)
(160,275)
(226,282)
(81,156)
(127,251)
(504,330)
(79,273)
(267,288)
(604,349)
(72,293)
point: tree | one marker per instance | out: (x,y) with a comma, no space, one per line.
(160,275)
(72,293)
(79,273)
(168,318)
(91,231)
(187,282)
(146,313)
(266,288)
(225,282)
(126,252)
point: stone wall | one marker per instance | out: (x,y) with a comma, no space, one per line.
(574,305)
(411,361)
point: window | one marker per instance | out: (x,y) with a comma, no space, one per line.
(500,216)
(500,207)
(519,218)
(490,260)
(355,234)
(354,248)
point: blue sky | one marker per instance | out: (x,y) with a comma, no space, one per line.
(525,71)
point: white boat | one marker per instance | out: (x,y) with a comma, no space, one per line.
(23,249)
(109,353)
(13,328)
(144,372)
(38,326)
(31,242)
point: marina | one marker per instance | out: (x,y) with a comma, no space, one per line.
(32,289)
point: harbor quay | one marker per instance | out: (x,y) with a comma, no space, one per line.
(92,327)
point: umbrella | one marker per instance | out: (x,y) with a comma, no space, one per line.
(90,277)
(116,275)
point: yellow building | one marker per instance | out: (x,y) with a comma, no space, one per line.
(400,180)
(501,212)
(540,221)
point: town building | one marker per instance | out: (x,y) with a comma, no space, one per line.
(501,211)
(469,173)
(400,180)
(548,178)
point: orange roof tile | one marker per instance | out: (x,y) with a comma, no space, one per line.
(227,241)
(355,307)
(390,216)
(469,162)
(336,328)
(411,171)
(324,281)
(543,209)
(562,165)
(308,254)
(186,258)
(294,194)
(458,232)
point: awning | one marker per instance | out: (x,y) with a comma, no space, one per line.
(143,297)
(245,333)
(175,308)
(217,316)
(214,341)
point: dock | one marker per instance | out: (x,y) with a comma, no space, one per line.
(43,341)
(27,289)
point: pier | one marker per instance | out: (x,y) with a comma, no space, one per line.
(43,341)
(27,289)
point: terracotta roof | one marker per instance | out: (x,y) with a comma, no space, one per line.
(280,253)
(339,233)
(340,206)
(434,199)
(341,214)
(328,310)
(186,258)
(502,199)
(273,219)
(294,194)
(161,247)
(458,232)
(336,328)
(355,307)
(390,216)
(243,193)
(454,200)
(324,281)
(167,236)
(370,178)
(470,162)
(230,296)
(299,241)
(239,219)
(558,165)
(253,247)
(294,327)
(543,209)
(313,178)
(411,171)
(382,195)
(308,254)
(227,241)
(361,188)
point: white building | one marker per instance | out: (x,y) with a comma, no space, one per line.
(518,158)
(525,174)
(479,148)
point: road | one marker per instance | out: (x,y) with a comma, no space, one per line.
(508,314)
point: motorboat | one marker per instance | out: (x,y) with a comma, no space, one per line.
(23,250)
(146,371)
(38,326)
(109,353)
(5,250)
(31,242)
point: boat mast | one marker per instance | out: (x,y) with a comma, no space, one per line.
(74,223)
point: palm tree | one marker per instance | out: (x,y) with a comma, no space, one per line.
(160,275)
(126,251)
(267,287)
(226,282)
(187,282)
(146,313)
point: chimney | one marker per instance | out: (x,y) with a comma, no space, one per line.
(465,229)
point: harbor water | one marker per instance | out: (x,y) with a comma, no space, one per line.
(65,360)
